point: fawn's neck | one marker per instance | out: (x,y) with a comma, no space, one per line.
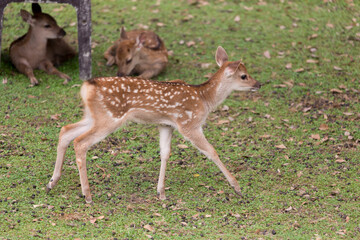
(215,90)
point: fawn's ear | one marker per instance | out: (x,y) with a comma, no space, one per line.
(221,56)
(123,35)
(140,40)
(27,17)
(36,8)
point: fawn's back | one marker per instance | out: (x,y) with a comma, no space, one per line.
(145,101)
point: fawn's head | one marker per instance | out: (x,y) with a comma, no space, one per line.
(42,24)
(236,72)
(127,53)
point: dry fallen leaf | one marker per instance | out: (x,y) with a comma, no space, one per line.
(340,160)
(335,90)
(281,146)
(190,43)
(182,146)
(267,54)
(323,127)
(337,68)
(312,61)
(149,228)
(94,219)
(330,25)
(315,136)
(237,18)
(55,116)
(160,24)
(288,66)
(248,8)
(222,122)
(299,70)
(313,36)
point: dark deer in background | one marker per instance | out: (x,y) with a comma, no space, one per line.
(41,47)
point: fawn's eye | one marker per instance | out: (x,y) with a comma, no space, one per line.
(128,61)
(47,26)
(243,77)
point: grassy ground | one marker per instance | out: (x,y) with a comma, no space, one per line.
(293,146)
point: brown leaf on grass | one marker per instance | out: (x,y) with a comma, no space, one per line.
(340,160)
(335,90)
(289,83)
(248,8)
(190,43)
(209,75)
(313,36)
(205,65)
(279,86)
(281,146)
(149,228)
(220,122)
(288,66)
(337,68)
(312,61)
(55,116)
(58,9)
(299,70)
(323,127)
(330,25)
(267,54)
(306,109)
(348,113)
(187,18)
(182,146)
(265,136)
(160,24)
(94,219)
(315,136)
(237,18)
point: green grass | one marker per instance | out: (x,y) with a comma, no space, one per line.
(309,190)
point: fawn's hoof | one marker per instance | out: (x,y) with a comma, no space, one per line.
(161,196)
(238,192)
(48,188)
(88,200)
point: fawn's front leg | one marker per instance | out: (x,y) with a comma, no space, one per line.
(197,138)
(165,149)
(81,145)
(48,67)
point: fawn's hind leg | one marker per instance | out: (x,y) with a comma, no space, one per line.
(67,134)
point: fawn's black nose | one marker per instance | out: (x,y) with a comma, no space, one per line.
(120,74)
(61,33)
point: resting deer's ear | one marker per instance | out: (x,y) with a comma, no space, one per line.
(36,8)
(140,40)
(123,34)
(27,17)
(221,56)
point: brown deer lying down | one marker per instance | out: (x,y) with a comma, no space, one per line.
(110,102)
(138,52)
(41,47)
